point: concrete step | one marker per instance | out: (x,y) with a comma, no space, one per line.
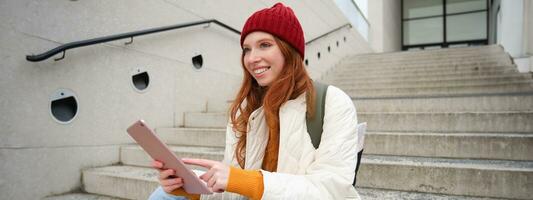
(365,193)
(205,120)
(127,182)
(429,76)
(436,83)
(447,103)
(210,137)
(490,122)
(508,179)
(452,145)
(450,90)
(502,146)
(432,69)
(500,59)
(381,194)
(436,53)
(421,71)
(353,66)
(495,146)
(443,84)
(442,51)
(81,196)
(472,122)
(492,58)
(494,71)
(478,178)
(422,55)
(457,80)
(134,155)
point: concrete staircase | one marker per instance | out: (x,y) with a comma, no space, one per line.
(451,121)
(443,124)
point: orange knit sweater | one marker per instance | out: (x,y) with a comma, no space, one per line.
(248,183)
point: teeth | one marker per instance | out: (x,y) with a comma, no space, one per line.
(259,71)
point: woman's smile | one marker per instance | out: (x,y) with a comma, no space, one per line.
(260,71)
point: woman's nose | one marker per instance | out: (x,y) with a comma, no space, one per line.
(254,56)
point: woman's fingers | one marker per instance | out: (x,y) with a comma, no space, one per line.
(200,162)
(156,164)
(168,184)
(217,186)
(171,181)
(216,177)
(169,189)
(207,175)
(211,182)
(164,174)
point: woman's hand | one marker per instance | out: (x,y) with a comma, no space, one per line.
(217,175)
(167,177)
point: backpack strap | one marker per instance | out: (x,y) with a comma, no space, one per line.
(314,125)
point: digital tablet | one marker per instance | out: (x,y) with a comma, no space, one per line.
(146,138)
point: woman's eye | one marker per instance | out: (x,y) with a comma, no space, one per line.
(246,50)
(265,45)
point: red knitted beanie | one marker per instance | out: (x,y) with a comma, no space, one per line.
(279,20)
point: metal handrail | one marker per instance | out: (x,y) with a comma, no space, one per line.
(63,48)
(71,45)
(345,25)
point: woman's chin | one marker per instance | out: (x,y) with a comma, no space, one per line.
(262,83)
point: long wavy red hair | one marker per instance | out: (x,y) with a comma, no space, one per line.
(291,83)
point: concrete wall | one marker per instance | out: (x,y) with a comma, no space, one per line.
(385,25)
(512,26)
(526,63)
(357,13)
(528,27)
(514,31)
(392,26)
(40,157)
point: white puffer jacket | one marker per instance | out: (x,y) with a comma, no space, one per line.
(303,172)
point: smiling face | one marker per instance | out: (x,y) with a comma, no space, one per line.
(262,57)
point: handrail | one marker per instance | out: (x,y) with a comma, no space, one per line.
(345,25)
(71,45)
(63,48)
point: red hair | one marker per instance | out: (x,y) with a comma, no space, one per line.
(291,83)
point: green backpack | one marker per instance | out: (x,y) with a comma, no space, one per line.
(314,125)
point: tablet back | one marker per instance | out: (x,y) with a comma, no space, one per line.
(146,138)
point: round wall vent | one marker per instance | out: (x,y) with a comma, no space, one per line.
(63,106)
(197,61)
(140,79)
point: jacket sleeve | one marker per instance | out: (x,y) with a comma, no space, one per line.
(229,151)
(331,174)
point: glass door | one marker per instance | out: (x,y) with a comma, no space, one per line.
(443,23)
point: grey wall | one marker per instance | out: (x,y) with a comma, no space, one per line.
(512,27)
(385,25)
(528,11)
(40,157)
(392,26)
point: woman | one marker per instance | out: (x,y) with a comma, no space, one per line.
(269,154)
